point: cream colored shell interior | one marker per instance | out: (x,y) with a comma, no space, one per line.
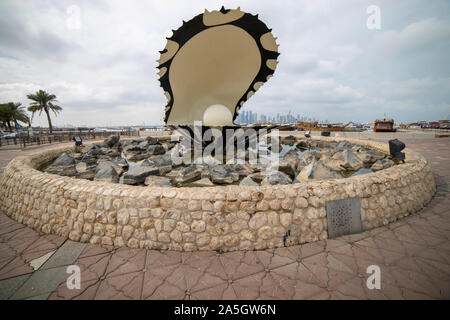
(216,66)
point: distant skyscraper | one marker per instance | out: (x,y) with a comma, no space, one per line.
(251,117)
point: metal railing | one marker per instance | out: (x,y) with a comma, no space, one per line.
(38,139)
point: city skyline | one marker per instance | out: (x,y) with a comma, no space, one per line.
(101,64)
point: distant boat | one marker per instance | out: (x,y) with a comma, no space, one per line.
(280,126)
(385,125)
(316,126)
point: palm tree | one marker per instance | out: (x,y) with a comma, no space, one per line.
(13,112)
(43,101)
(5,116)
(18,113)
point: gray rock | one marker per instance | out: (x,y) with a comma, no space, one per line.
(377,155)
(241,169)
(101,145)
(326,151)
(137,174)
(326,144)
(289,140)
(143,144)
(313,143)
(107,173)
(257,167)
(172,174)
(286,166)
(112,153)
(302,145)
(151,140)
(188,174)
(247,181)
(204,182)
(136,156)
(206,174)
(361,171)
(104,156)
(89,159)
(316,170)
(276,177)
(68,171)
(332,164)
(77,156)
(134,152)
(291,154)
(305,160)
(126,143)
(382,164)
(289,163)
(144,163)
(207,160)
(157,181)
(166,146)
(155,149)
(107,163)
(365,157)
(258,177)
(348,160)
(134,148)
(111,141)
(161,160)
(88,148)
(220,175)
(89,174)
(64,165)
(96,152)
(121,162)
(63,160)
(358,148)
(343,145)
(164,162)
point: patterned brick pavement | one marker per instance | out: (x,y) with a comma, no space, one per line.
(413,255)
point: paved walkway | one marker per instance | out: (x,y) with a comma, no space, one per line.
(413,255)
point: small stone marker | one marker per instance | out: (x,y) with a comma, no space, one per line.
(343,217)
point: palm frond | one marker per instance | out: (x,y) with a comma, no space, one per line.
(43,101)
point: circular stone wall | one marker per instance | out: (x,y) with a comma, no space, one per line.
(205,218)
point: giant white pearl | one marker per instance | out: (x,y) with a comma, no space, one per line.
(217,115)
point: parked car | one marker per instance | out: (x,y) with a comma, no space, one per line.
(15,135)
(10,135)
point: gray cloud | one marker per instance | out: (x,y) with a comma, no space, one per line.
(331,66)
(22,38)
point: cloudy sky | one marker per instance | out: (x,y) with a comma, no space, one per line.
(98,57)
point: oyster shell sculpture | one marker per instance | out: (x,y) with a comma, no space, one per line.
(212,64)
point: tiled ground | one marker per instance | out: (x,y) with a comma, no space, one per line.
(413,255)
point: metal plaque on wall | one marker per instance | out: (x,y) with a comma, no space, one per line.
(343,217)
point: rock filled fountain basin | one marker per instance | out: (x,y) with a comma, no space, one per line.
(148,162)
(127,193)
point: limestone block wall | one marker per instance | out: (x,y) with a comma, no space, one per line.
(223,218)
